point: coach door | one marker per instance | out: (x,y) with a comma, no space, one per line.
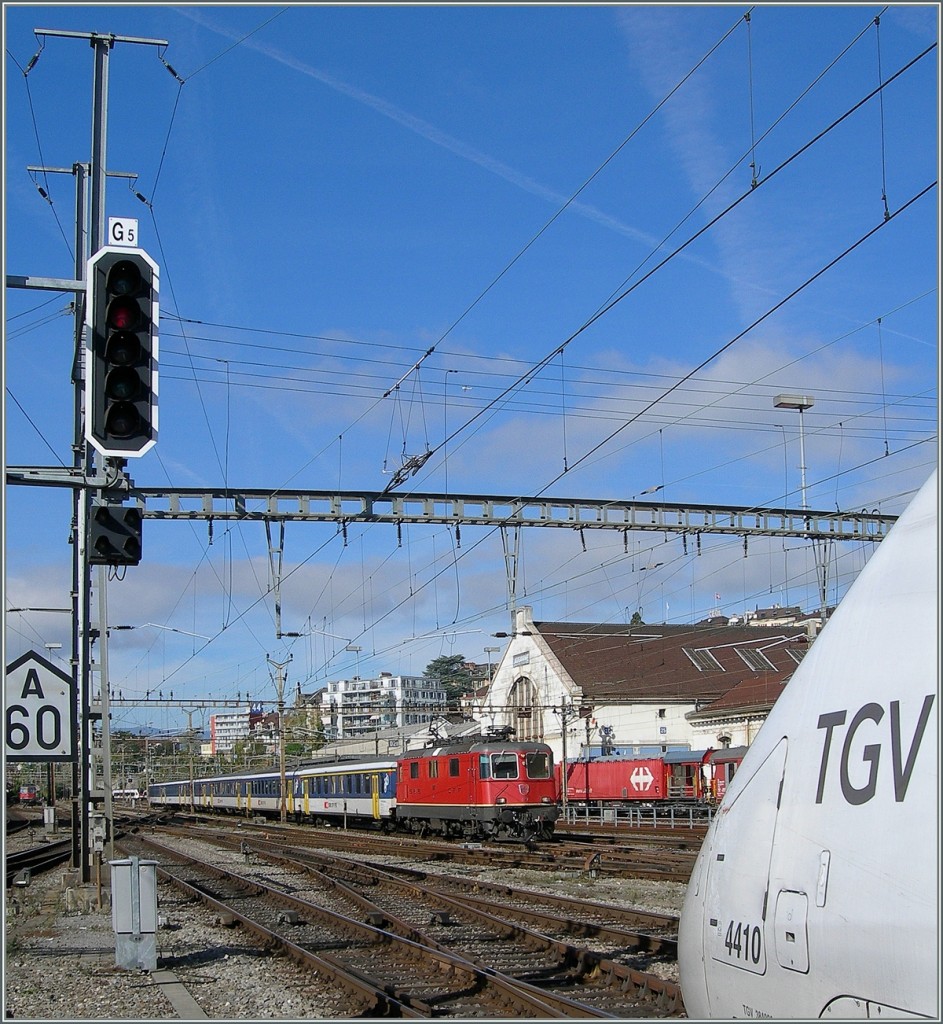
(374,778)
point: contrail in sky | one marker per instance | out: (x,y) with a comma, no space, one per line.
(428,131)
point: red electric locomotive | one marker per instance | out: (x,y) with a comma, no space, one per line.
(489,787)
(30,795)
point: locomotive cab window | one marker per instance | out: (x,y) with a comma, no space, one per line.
(504,766)
(537,763)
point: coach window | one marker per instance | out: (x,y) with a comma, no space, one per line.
(414,769)
(453,767)
(504,766)
(433,769)
(538,764)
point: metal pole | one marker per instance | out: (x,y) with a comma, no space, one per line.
(805,504)
(79,516)
(280,690)
(189,714)
(106,715)
(587,763)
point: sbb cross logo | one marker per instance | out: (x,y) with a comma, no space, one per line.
(642,778)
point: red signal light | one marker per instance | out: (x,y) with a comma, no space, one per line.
(123,314)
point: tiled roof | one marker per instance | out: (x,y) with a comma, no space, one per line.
(752,694)
(671,662)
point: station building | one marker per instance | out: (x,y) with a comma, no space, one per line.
(640,690)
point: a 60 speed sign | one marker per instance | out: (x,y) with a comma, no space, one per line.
(38,711)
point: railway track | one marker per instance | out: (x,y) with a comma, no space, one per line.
(635,930)
(538,974)
(22,864)
(669,838)
(617,860)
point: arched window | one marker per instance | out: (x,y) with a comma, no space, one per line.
(524,713)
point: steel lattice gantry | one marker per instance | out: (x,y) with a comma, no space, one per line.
(346,507)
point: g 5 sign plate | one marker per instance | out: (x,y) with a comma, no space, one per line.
(123,231)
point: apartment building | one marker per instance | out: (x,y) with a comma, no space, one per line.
(358,707)
(229,726)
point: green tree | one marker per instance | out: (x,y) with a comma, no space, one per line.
(243,749)
(636,619)
(450,673)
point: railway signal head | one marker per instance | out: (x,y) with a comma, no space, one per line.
(114,534)
(121,376)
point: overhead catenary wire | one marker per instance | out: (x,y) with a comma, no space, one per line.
(831,263)
(43,191)
(877,37)
(570,200)
(561,375)
(850,249)
(701,231)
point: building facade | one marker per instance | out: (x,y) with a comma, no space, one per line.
(354,708)
(227,727)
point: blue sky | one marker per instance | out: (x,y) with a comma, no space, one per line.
(336,190)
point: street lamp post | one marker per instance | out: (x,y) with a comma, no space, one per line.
(801,403)
(489,651)
(356,650)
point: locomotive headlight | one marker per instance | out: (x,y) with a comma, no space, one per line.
(545,800)
(501,800)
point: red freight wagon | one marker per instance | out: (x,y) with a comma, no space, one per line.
(612,779)
(688,774)
(724,764)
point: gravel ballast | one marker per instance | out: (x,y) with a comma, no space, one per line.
(59,961)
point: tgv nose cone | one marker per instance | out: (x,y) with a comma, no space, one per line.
(691,944)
